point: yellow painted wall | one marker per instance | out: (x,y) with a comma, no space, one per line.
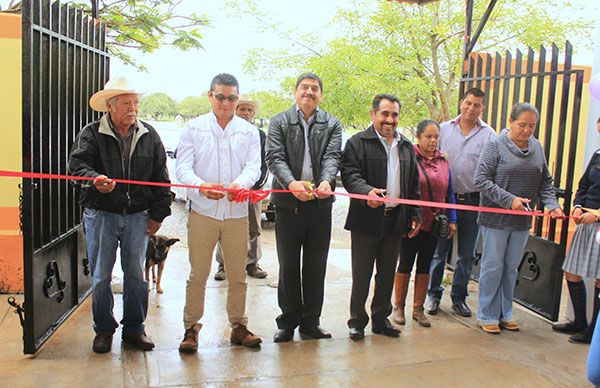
(11,241)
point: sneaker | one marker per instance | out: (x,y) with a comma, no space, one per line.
(240,335)
(432,306)
(492,329)
(510,325)
(255,271)
(102,343)
(190,340)
(220,274)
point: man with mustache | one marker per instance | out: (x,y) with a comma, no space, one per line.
(379,162)
(462,140)
(303,153)
(119,146)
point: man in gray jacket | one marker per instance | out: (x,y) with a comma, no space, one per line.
(303,152)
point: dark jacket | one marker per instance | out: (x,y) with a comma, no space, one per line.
(588,192)
(96,152)
(285,153)
(364,167)
(264,172)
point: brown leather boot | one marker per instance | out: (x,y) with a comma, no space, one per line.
(240,335)
(421,286)
(190,340)
(401,281)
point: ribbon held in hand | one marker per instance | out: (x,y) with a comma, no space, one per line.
(241,195)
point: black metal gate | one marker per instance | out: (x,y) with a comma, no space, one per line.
(555,89)
(64,63)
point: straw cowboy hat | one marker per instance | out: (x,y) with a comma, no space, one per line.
(114,87)
(246,99)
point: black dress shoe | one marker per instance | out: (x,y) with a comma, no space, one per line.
(356,333)
(387,330)
(583,337)
(462,309)
(102,343)
(432,306)
(140,341)
(568,328)
(283,335)
(315,332)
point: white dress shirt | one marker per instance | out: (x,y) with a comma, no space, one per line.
(209,154)
(393,166)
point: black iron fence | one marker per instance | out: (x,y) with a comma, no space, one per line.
(555,89)
(64,63)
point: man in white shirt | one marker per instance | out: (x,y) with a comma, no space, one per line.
(218,150)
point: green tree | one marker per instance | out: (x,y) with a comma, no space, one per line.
(412,51)
(157,106)
(146,25)
(272,102)
(193,106)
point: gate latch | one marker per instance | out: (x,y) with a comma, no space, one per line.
(18,309)
(53,272)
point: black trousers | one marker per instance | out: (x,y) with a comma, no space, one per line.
(368,251)
(303,237)
(422,246)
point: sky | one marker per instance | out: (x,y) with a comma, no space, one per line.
(226,43)
(228,40)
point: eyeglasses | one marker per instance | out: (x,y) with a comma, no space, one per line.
(221,98)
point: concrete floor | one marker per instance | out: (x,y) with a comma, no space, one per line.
(453,352)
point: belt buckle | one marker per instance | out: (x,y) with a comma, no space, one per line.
(388,211)
(460,197)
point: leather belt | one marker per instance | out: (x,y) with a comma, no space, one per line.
(466,196)
(390,211)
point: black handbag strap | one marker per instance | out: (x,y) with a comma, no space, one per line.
(428,183)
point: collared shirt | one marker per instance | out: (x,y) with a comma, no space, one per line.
(393,165)
(124,145)
(307,173)
(463,151)
(209,153)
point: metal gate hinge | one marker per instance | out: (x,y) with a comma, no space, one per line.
(18,309)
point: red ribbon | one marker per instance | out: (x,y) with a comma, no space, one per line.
(242,195)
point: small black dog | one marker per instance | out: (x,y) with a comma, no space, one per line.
(156,254)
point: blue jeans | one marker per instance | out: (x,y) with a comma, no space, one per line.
(500,258)
(593,362)
(104,231)
(466,222)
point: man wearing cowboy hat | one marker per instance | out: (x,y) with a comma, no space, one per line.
(119,146)
(218,150)
(246,108)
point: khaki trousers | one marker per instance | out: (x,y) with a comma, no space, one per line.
(203,234)
(254,231)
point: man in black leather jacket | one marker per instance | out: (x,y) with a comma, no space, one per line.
(379,161)
(119,146)
(303,152)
